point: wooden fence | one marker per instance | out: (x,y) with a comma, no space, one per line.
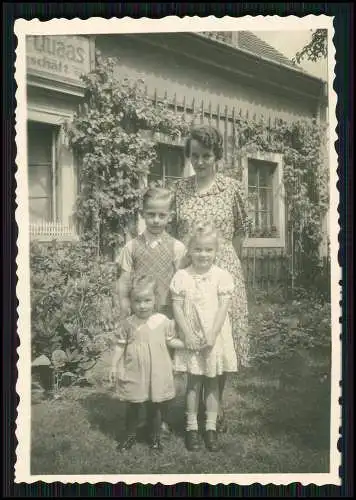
(266,269)
(271,270)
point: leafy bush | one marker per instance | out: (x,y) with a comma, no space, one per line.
(72,315)
(294,338)
(292,345)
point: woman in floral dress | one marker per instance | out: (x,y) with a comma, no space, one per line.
(209,195)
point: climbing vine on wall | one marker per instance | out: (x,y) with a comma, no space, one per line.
(303,144)
(113,137)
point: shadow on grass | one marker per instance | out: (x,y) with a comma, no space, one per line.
(304,411)
(107,413)
(300,408)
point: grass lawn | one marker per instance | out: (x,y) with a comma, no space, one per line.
(273,428)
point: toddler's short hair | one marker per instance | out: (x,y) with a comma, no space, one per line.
(203,229)
(143,282)
(157,194)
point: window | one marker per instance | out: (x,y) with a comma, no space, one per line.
(266,210)
(42,172)
(50,207)
(260,199)
(170,167)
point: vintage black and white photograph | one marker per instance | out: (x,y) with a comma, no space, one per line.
(177,252)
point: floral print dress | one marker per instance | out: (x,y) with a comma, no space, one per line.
(224,206)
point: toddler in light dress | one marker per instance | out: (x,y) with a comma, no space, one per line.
(141,366)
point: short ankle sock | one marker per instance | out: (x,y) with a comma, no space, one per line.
(192,422)
(210,422)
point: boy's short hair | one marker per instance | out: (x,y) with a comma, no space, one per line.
(143,282)
(157,194)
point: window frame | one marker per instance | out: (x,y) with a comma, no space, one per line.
(56,228)
(162,142)
(163,160)
(278,198)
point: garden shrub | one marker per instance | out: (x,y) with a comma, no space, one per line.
(292,342)
(299,324)
(73,316)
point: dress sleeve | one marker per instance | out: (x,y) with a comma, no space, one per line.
(241,221)
(177,287)
(124,259)
(225,284)
(179,253)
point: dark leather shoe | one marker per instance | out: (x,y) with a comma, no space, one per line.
(221,424)
(192,440)
(156,444)
(211,440)
(128,443)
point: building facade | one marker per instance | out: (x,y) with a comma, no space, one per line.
(54,90)
(219,75)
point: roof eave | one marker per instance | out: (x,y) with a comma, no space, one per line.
(301,85)
(229,47)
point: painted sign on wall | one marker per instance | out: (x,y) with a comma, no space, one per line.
(61,58)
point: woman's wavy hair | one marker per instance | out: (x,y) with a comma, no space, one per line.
(207,136)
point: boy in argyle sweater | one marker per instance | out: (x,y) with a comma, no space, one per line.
(154,252)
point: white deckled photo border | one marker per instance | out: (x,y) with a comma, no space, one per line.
(23,386)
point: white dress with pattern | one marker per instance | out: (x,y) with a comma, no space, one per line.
(201,293)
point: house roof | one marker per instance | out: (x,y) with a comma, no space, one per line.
(252,43)
(247,58)
(248,42)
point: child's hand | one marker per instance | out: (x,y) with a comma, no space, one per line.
(189,342)
(210,339)
(203,344)
(190,345)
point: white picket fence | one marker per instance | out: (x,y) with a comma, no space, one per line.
(52,230)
